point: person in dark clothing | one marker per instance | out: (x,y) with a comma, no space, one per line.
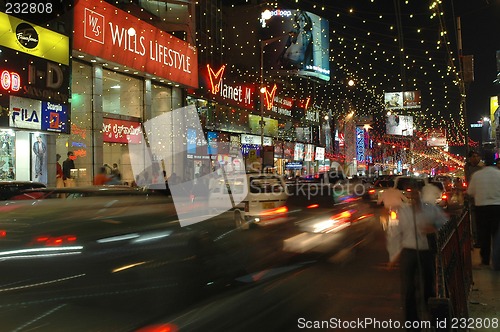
(67,166)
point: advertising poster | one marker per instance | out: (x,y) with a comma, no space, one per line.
(212,143)
(399,125)
(320,154)
(39,158)
(296,40)
(436,137)
(393,100)
(402,100)
(309,152)
(298,152)
(191,141)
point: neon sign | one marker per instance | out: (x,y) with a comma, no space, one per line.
(236,94)
(215,79)
(10,81)
(270,97)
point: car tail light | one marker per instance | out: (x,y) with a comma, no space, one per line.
(3,233)
(371,191)
(313,206)
(464,185)
(54,241)
(444,196)
(341,216)
(159,328)
(278,210)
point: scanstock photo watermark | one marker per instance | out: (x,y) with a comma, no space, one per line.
(371,323)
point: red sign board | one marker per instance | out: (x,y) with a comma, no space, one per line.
(109,33)
(121,131)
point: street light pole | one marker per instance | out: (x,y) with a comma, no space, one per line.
(262,90)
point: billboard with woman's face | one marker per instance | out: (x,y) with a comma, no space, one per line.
(296,40)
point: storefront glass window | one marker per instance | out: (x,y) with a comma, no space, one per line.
(7,155)
(122,94)
(161,99)
(80,139)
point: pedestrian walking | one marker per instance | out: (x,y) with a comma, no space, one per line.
(59,172)
(473,165)
(67,166)
(417,219)
(484,187)
(101,178)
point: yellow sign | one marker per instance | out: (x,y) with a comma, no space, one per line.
(32,39)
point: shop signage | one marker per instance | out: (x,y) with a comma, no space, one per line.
(112,34)
(236,94)
(10,81)
(312,115)
(32,77)
(255,140)
(360,144)
(320,153)
(121,131)
(283,105)
(293,165)
(32,39)
(38,115)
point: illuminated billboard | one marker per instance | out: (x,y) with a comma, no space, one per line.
(296,40)
(402,100)
(437,137)
(399,125)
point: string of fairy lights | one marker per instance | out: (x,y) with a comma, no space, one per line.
(383,48)
(365,46)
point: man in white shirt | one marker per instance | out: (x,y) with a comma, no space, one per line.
(484,186)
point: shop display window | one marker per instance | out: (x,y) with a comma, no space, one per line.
(7,155)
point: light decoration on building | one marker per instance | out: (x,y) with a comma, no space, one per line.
(365,45)
(215,78)
(270,97)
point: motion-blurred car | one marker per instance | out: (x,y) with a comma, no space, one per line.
(252,198)
(13,188)
(378,188)
(438,193)
(326,226)
(102,248)
(78,192)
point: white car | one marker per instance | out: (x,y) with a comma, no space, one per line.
(431,191)
(252,198)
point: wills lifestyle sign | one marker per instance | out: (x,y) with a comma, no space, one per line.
(110,33)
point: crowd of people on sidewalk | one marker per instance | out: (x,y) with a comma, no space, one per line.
(484,201)
(407,241)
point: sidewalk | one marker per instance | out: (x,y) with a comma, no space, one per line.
(484,299)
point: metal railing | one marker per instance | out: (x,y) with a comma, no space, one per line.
(452,245)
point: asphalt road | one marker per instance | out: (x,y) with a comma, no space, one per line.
(274,290)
